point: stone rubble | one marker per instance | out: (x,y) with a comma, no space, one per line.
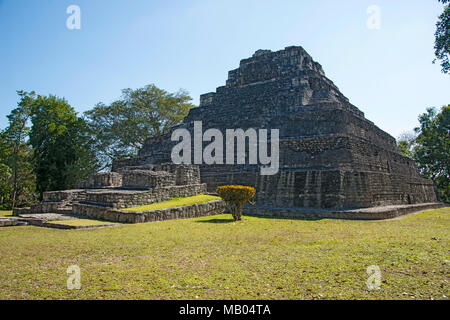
(103,196)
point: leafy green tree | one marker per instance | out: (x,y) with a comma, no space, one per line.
(236,197)
(121,128)
(432,149)
(4,147)
(24,179)
(405,143)
(19,158)
(5,186)
(16,190)
(442,34)
(5,174)
(62,153)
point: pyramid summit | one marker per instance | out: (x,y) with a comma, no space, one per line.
(330,155)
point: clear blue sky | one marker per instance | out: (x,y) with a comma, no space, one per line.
(387,73)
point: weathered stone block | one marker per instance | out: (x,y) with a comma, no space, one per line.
(146,179)
(197,210)
(102,180)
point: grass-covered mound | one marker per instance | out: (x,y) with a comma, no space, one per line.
(216,258)
(5,213)
(175,202)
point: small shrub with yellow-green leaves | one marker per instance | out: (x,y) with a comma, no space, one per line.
(236,197)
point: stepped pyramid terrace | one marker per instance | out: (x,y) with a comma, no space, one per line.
(333,162)
(105,196)
(331,157)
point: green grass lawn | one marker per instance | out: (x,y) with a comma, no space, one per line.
(5,213)
(175,202)
(82,222)
(215,258)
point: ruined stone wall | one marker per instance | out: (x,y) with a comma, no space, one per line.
(358,189)
(132,198)
(379,213)
(64,195)
(155,150)
(120,164)
(54,202)
(192,211)
(147,175)
(343,151)
(102,180)
(184,174)
(139,185)
(146,179)
(338,188)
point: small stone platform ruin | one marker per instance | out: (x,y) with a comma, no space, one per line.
(103,195)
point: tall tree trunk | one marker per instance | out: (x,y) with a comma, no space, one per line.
(16,156)
(15,177)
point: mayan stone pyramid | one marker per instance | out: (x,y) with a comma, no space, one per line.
(331,156)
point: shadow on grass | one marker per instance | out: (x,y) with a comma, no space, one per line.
(215,220)
(284,218)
